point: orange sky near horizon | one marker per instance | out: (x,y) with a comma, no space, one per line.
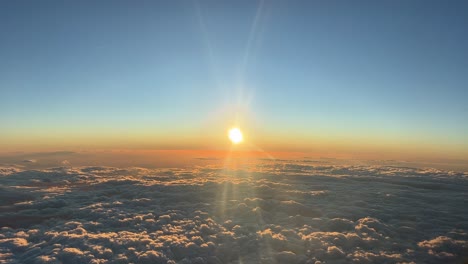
(294,149)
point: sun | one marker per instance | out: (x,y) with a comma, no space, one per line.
(235,135)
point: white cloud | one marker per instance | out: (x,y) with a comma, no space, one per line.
(271,212)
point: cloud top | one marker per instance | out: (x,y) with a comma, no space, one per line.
(268,212)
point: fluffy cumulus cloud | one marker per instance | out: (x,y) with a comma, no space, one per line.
(267,212)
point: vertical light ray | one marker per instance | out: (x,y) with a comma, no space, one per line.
(248,47)
(214,66)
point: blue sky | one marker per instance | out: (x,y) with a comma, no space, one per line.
(389,69)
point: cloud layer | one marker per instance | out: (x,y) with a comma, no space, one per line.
(268,212)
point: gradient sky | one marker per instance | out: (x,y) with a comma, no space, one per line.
(352,76)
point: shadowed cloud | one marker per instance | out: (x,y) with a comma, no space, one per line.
(269,212)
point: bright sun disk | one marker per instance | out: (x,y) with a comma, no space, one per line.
(235,135)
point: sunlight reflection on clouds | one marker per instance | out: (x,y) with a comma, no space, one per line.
(273,211)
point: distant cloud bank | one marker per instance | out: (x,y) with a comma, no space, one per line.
(269,212)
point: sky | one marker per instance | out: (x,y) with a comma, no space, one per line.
(375,78)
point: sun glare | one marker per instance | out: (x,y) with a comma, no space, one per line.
(235,135)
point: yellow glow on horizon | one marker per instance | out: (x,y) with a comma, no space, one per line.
(235,135)
(254,135)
